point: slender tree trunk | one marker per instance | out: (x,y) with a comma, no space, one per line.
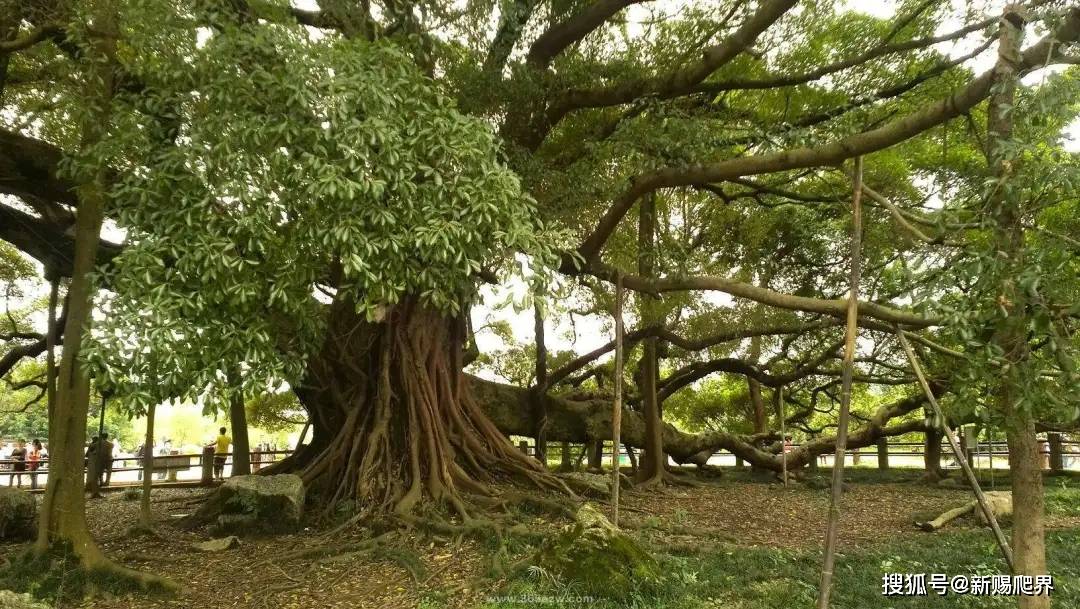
(241,465)
(596,455)
(846,378)
(1029,545)
(652,467)
(50,349)
(63,514)
(145,516)
(617,406)
(539,403)
(566,462)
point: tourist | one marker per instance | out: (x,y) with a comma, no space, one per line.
(33,459)
(18,462)
(105,460)
(221,450)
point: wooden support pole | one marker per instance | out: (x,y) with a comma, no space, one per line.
(999,536)
(616,411)
(846,378)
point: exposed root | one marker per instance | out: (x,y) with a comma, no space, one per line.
(664,478)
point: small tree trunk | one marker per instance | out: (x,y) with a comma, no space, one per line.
(146,520)
(1057,457)
(1028,539)
(652,467)
(539,403)
(883,453)
(63,511)
(833,527)
(566,462)
(241,465)
(51,335)
(932,454)
(596,455)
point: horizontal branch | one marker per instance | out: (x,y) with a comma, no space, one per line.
(41,33)
(683,343)
(832,307)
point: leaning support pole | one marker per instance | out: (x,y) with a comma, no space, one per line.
(845,393)
(616,411)
(999,536)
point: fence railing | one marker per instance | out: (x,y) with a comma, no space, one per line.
(1057,454)
(175,467)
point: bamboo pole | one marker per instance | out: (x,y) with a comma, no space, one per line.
(999,536)
(850,332)
(783,434)
(616,412)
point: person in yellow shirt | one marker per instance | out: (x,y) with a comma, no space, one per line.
(221,449)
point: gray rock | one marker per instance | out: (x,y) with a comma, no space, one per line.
(11,600)
(18,514)
(218,545)
(252,505)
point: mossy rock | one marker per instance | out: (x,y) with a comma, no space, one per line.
(18,514)
(12,600)
(599,557)
(252,505)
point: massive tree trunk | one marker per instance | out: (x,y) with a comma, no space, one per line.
(394,424)
(241,465)
(1029,546)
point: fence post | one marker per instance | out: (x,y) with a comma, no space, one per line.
(207,465)
(883,453)
(523,446)
(1057,461)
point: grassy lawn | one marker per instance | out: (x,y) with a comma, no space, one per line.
(735,577)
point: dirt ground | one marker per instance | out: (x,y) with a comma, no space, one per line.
(457,573)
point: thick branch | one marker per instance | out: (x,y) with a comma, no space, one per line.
(571,30)
(894,132)
(682,81)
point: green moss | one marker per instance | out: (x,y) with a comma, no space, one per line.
(600,559)
(57,578)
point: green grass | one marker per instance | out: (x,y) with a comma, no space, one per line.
(732,577)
